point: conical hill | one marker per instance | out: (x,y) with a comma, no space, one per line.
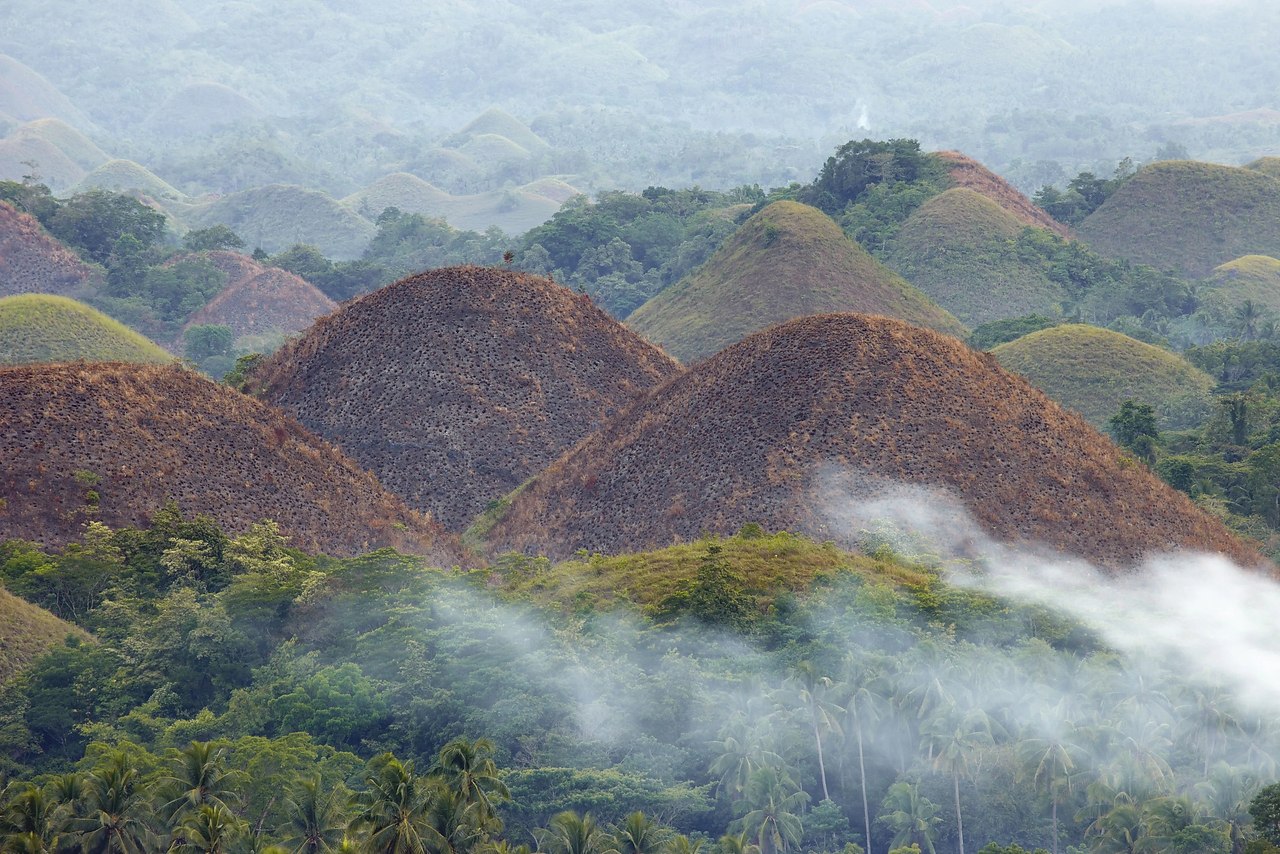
(797,427)
(45,328)
(32,262)
(113,442)
(956,249)
(1093,371)
(29,632)
(271,300)
(970,174)
(456,385)
(787,261)
(1254,278)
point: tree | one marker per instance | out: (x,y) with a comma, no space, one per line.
(198,777)
(209,829)
(775,803)
(1050,761)
(912,817)
(570,833)
(639,834)
(953,742)
(95,221)
(1134,427)
(205,340)
(111,818)
(468,770)
(211,238)
(1265,810)
(739,754)
(394,811)
(315,818)
(823,714)
(865,700)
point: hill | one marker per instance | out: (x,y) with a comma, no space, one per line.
(71,142)
(1266,165)
(24,155)
(278,216)
(972,175)
(44,328)
(32,262)
(495,122)
(272,300)
(27,95)
(402,190)
(513,210)
(199,108)
(1253,277)
(1189,217)
(456,385)
(956,248)
(125,175)
(114,442)
(806,425)
(28,632)
(787,261)
(1093,371)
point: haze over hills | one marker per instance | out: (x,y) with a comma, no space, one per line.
(788,260)
(456,385)
(1093,371)
(31,261)
(796,426)
(276,217)
(113,442)
(45,328)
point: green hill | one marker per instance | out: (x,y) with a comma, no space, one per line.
(789,260)
(499,123)
(27,632)
(956,248)
(1253,277)
(125,175)
(1266,165)
(278,216)
(24,155)
(1094,370)
(66,139)
(45,328)
(1189,217)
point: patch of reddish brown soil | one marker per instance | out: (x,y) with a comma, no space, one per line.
(33,262)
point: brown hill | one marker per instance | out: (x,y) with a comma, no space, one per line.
(970,174)
(456,385)
(787,261)
(26,95)
(784,427)
(272,300)
(22,156)
(32,262)
(136,436)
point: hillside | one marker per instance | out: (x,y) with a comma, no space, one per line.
(1266,165)
(28,632)
(71,142)
(278,216)
(125,175)
(803,426)
(956,248)
(1253,277)
(23,157)
(272,300)
(970,174)
(456,385)
(1189,217)
(44,328)
(513,210)
(787,261)
(32,262)
(113,442)
(27,95)
(1092,371)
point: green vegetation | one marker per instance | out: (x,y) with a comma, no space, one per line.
(43,328)
(29,633)
(1093,371)
(1252,279)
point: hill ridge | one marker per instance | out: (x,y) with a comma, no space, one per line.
(51,328)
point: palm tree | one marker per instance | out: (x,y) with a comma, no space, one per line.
(109,820)
(30,820)
(208,829)
(394,811)
(774,818)
(463,826)
(314,818)
(198,777)
(569,833)
(952,742)
(739,754)
(468,769)
(824,716)
(1227,793)
(1209,721)
(1050,762)
(739,843)
(913,818)
(681,844)
(866,697)
(639,834)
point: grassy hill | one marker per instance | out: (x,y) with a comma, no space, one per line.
(456,385)
(811,425)
(125,175)
(114,442)
(52,166)
(278,216)
(45,328)
(28,632)
(1188,216)
(787,261)
(497,122)
(1266,165)
(1253,277)
(32,262)
(272,300)
(27,95)
(966,172)
(1093,371)
(956,248)
(71,142)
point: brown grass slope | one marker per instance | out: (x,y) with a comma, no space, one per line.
(1188,216)
(157,433)
(272,300)
(71,142)
(1253,277)
(783,427)
(787,261)
(32,262)
(27,632)
(456,385)
(970,174)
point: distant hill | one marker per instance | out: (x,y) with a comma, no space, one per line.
(76,146)
(496,122)
(28,632)
(198,108)
(27,95)
(44,328)
(805,426)
(402,190)
(1266,165)
(1253,277)
(271,300)
(113,442)
(787,261)
(25,155)
(956,249)
(1093,371)
(456,385)
(278,216)
(123,176)
(31,261)
(1189,217)
(970,174)
(514,210)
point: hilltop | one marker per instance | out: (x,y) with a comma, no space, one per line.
(278,216)
(1188,216)
(45,328)
(799,427)
(455,385)
(1253,277)
(786,261)
(1093,371)
(957,249)
(31,261)
(513,210)
(113,442)
(125,175)
(259,300)
(968,173)
(29,632)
